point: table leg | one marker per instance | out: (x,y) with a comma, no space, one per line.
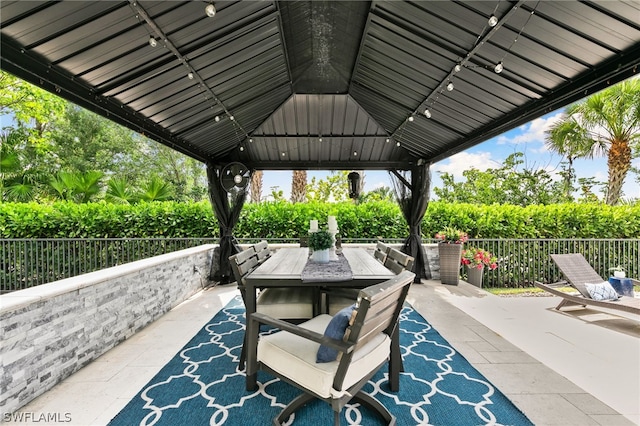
(251,340)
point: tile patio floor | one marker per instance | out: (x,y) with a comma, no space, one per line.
(580,367)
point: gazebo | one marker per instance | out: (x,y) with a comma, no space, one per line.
(331,85)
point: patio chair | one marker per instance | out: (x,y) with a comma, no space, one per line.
(351,347)
(288,304)
(398,261)
(381,251)
(395,260)
(579,274)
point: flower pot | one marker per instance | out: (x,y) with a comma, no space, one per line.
(320,256)
(474,275)
(450,255)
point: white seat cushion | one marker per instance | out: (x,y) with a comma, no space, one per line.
(295,357)
(286,303)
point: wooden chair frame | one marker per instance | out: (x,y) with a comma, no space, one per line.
(378,310)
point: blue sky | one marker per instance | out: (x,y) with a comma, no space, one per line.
(528,139)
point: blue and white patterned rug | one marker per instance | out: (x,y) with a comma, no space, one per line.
(201,385)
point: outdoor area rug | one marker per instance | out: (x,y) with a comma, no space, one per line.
(201,385)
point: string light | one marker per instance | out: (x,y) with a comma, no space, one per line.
(210,10)
(153,42)
(499,67)
(427,113)
(493,21)
(450,86)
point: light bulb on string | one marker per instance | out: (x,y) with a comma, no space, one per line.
(210,10)
(427,113)
(498,68)
(493,21)
(153,42)
(450,86)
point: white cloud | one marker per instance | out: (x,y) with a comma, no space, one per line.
(531,133)
(462,161)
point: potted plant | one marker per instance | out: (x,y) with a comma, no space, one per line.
(450,241)
(618,271)
(475,260)
(320,242)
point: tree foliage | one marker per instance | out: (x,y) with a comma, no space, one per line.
(509,184)
(605,123)
(52,147)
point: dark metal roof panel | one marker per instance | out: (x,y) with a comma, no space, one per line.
(278,75)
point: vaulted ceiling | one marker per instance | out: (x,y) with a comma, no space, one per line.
(321,84)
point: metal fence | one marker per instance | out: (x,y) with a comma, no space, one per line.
(30,262)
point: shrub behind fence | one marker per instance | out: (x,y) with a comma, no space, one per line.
(30,262)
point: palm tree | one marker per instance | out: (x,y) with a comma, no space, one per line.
(156,190)
(119,191)
(76,186)
(570,140)
(610,121)
(256,186)
(299,186)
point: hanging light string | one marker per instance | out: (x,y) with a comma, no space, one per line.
(489,29)
(500,65)
(192,74)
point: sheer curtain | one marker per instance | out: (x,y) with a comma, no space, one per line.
(227,207)
(413,197)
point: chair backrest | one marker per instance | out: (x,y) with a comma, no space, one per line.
(577,271)
(263,252)
(377,311)
(242,263)
(381,251)
(398,261)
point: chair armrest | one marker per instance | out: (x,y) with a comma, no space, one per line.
(301,331)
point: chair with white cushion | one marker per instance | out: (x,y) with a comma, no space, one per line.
(285,303)
(332,358)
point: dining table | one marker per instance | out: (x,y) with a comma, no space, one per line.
(286,268)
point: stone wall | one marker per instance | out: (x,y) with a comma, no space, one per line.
(53,330)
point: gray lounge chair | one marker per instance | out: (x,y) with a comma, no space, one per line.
(578,273)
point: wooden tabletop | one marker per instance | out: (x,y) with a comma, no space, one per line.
(288,263)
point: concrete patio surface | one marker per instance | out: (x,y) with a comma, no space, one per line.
(579,367)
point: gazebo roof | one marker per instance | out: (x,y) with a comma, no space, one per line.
(321,84)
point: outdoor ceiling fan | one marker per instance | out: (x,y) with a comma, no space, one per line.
(235,177)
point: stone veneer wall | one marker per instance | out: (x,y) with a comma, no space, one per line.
(51,331)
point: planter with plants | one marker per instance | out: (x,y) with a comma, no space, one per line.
(450,242)
(475,259)
(320,242)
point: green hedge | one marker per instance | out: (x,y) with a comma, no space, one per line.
(286,220)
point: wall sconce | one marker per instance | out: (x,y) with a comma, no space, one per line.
(354,185)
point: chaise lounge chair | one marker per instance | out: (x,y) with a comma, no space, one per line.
(579,273)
